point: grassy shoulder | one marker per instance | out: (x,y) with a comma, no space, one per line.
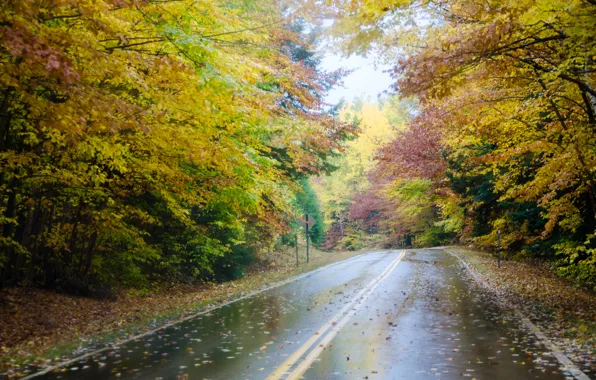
(564,312)
(42,327)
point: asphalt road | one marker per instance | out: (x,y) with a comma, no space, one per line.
(383,315)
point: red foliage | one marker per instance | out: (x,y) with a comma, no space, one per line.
(416,152)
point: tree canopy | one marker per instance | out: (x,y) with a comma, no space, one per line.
(504,136)
(154,138)
(151,140)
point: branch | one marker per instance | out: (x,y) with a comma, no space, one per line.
(135,44)
(582,85)
(244,30)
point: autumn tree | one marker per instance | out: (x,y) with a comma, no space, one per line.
(339,191)
(508,90)
(139,140)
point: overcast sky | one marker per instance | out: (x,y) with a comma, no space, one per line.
(365,80)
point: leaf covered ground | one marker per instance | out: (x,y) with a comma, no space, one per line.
(565,313)
(40,327)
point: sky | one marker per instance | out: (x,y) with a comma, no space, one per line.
(366,80)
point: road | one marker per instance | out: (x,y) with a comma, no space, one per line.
(412,314)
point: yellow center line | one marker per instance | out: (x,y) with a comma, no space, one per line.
(287,365)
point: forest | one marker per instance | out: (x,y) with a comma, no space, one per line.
(151,141)
(155,141)
(494,122)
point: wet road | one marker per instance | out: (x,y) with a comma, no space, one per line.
(388,315)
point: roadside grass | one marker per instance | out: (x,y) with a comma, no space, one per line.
(85,323)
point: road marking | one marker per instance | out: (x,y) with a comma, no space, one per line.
(314,354)
(557,353)
(342,317)
(207,310)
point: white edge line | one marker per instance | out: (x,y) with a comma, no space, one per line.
(542,338)
(193,315)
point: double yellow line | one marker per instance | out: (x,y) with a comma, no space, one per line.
(337,322)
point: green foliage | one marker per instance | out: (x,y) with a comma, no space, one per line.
(434,236)
(353,238)
(577,262)
(308,203)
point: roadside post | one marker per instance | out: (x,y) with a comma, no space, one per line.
(296,249)
(307,223)
(498,248)
(307,250)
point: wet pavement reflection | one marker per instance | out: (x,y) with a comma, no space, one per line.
(245,339)
(426,320)
(430,320)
